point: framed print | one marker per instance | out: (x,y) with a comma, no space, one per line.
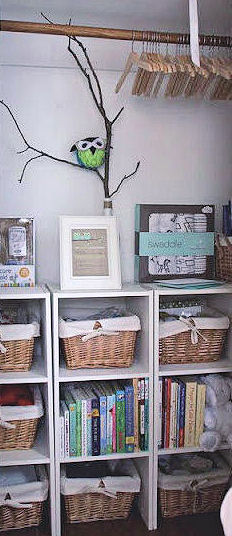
(89,253)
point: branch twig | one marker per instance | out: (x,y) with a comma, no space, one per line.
(41,153)
(125,178)
(28,162)
(117,116)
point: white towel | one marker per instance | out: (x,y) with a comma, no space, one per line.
(226,513)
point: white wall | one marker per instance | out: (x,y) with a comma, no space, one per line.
(184,146)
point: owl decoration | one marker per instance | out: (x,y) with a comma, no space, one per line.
(90,152)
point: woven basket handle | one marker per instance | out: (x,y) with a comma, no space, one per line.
(5,424)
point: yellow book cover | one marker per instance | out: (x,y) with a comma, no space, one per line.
(190,413)
(200,412)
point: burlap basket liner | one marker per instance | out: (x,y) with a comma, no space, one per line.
(114,347)
(100,499)
(176,340)
(33,494)
(17,345)
(24,420)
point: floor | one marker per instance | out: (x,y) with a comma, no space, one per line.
(190,526)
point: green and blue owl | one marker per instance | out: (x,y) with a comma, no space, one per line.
(90,152)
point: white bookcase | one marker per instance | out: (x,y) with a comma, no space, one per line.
(139,301)
(219,298)
(36,300)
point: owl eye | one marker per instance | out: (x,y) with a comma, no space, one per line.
(99,143)
(83,145)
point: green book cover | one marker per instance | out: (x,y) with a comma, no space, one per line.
(72,422)
(120,420)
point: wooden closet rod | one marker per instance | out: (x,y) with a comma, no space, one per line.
(112,33)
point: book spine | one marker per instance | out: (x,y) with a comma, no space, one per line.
(114,426)
(190,414)
(168,383)
(89,427)
(129,408)
(61,437)
(136,415)
(79,427)
(178,416)
(110,403)
(200,412)
(160,401)
(182,415)
(120,420)
(146,413)
(72,430)
(176,424)
(103,425)
(142,415)
(84,427)
(95,427)
(66,429)
(172,415)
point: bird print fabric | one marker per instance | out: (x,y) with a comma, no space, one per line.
(90,152)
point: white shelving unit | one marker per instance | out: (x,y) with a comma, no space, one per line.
(36,300)
(139,301)
(219,298)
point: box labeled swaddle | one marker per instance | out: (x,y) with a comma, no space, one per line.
(173,241)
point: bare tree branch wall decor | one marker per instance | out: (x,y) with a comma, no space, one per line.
(85,66)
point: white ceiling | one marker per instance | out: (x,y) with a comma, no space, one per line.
(215,15)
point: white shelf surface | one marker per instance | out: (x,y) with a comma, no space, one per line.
(23,457)
(116,456)
(222,365)
(185,450)
(23,293)
(128,289)
(135,371)
(35,375)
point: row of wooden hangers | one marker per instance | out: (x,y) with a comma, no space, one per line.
(176,75)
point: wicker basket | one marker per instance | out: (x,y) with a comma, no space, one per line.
(20,437)
(24,421)
(94,505)
(224,259)
(180,347)
(175,503)
(19,517)
(104,351)
(88,507)
(16,354)
(193,493)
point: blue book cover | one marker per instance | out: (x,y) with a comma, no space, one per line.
(182,413)
(129,407)
(103,416)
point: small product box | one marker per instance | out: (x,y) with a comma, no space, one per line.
(17,252)
(174,241)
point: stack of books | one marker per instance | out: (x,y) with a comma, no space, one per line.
(181,411)
(99,418)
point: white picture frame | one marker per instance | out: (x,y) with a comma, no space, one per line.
(89,244)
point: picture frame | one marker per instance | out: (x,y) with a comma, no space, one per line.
(89,253)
